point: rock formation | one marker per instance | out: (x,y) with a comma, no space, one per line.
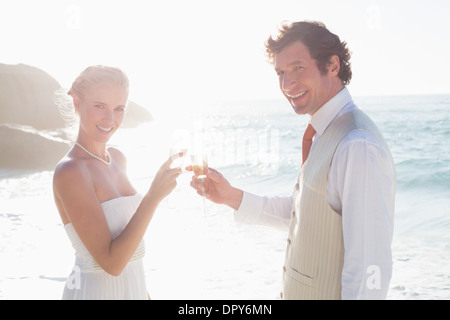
(28,112)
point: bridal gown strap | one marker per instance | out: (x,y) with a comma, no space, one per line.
(88,280)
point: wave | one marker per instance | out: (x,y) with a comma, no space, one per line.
(423,174)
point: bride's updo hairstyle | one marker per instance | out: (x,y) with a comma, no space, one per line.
(95,75)
(90,77)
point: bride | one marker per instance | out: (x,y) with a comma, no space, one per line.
(103,215)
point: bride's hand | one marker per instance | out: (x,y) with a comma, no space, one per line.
(165,179)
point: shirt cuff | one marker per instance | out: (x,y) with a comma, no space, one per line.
(250,208)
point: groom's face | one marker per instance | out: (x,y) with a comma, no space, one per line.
(300,80)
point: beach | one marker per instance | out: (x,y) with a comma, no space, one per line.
(255,144)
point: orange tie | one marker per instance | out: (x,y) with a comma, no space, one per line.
(307,141)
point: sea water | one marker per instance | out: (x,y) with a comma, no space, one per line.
(256,145)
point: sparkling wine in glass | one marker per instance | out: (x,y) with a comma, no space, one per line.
(199,164)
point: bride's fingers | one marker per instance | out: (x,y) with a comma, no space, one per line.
(173,157)
(174,172)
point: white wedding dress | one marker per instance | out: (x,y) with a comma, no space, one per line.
(88,280)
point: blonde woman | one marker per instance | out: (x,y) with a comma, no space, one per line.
(103,215)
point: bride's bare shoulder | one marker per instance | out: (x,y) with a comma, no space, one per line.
(69,170)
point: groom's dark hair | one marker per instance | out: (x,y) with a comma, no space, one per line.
(322,44)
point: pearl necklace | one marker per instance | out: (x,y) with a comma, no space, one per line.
(94,156)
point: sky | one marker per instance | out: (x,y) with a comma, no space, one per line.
(183,53)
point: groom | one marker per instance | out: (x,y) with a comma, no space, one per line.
(340,216)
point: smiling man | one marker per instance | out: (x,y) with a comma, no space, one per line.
(340,216)
(301,81)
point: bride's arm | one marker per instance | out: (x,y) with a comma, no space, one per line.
(76,197)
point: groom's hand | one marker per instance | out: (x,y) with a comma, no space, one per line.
(217,188)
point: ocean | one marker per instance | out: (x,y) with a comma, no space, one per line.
(256,145)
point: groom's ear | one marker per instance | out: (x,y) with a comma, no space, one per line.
(334,65)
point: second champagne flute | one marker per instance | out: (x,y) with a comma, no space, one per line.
(199,164)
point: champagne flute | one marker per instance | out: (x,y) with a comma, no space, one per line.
(199,164)
(177,162)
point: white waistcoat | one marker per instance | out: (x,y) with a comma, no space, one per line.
(315,249)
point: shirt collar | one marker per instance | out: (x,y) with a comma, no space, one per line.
(325,115)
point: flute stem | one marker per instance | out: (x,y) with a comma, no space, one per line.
(205,208)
